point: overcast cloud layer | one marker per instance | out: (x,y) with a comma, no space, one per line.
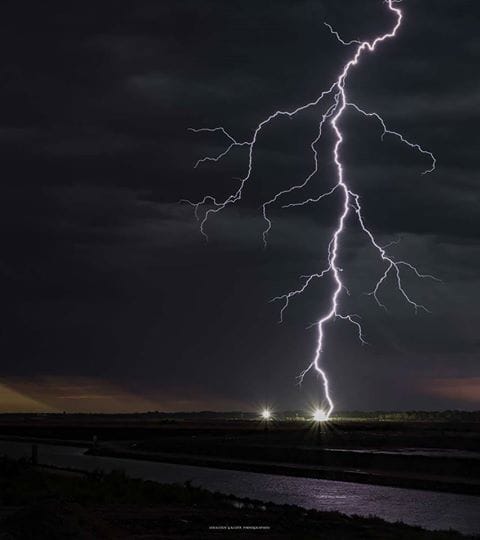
(109,290)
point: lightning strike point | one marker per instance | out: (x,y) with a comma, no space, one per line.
(319,415)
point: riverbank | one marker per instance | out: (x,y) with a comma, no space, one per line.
(427,509)
(450,484)
(393,478)
(44,504)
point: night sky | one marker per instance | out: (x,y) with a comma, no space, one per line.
(111,300)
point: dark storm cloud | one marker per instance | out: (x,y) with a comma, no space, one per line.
(105,275)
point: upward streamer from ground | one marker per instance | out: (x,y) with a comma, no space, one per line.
(209,205)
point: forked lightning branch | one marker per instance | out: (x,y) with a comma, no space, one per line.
(339,106)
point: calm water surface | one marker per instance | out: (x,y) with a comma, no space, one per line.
(425,508)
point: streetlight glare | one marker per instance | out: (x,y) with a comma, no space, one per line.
(266,414)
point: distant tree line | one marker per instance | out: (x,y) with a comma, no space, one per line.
(399,416)
(419,416)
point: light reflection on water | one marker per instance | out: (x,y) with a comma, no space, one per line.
(424,508)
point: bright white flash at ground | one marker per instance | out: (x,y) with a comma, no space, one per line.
(319,415)
(337,105)
(266,414)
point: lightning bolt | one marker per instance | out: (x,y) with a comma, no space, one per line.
(209,205)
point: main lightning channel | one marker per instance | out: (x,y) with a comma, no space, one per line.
(209,205)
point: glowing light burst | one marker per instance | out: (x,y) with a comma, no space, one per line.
(266,414)
(209,205)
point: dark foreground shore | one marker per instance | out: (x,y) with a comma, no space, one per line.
(38,503)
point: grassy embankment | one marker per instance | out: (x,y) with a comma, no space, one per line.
(41,504)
